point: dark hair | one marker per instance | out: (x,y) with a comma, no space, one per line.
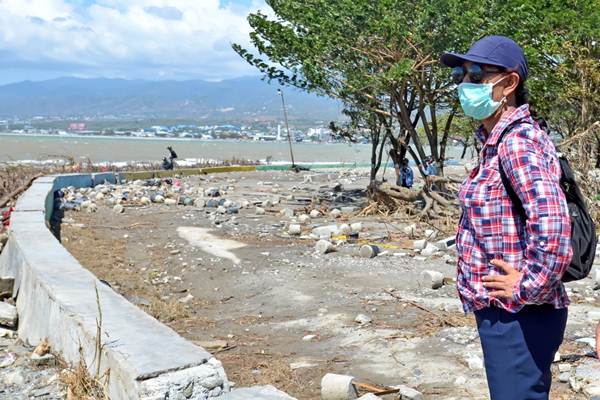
(522,93)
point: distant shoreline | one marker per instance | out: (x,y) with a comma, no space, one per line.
(73,136)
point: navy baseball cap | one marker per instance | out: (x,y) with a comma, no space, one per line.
(499,51)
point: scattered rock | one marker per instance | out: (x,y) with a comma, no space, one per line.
(324,247)
(363,319)
(186,299)
(8,315)
(46,359)
(410,230)
(356,227)
(260,211)
(212,345)
(295,229)
(43,348)
(368,251)
(474,362)
(308,338)
(368,396)
(118,209)
(315,214)
(287,212)
(8,359)
(432,279)
(338,387)
(6,287)
(304,219)
(170,202)
(419,244)
(409,393)
(335,213)
(431,234)
(14,378)
(325,232)
(159,199)
(429,250)
(345,229)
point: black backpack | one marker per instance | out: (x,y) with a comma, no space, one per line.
(583,231)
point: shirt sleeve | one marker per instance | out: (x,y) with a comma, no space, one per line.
(548,229)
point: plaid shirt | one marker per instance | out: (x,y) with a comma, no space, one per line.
(490,226)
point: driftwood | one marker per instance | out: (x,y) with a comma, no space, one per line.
(6,199)
(439,200)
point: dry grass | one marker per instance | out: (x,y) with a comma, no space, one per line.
(167,311)
(81,385)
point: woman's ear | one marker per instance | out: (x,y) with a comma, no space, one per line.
(512,82)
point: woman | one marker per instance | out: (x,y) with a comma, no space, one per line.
(510,268)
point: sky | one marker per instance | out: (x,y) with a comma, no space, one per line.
(131,39)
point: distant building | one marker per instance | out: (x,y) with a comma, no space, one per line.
(77,126)
(320,134)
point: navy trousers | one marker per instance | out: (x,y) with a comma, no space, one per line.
(518,349)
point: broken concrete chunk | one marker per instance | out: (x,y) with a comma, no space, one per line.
(431,234)
(259,211)
(304,219)
(295,229)
(46,359)
(8,315)
(429,250)
(356,227)
(408,393)
(335,213)
(324,247)
(325,232)
(287,212)
(432,279)
(212,345)
(369,251)
(368,396)
(363,319)
(338,387)
(410,230)
(315,214)
(345,229)
(419,244)
(6,287)
(444,244)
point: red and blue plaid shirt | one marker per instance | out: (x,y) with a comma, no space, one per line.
(490,226)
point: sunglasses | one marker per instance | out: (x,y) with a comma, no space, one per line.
(475,71)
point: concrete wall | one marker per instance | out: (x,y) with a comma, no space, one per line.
(56,299)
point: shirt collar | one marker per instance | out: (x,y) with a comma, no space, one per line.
(519,113)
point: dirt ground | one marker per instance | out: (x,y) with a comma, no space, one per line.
(285,315)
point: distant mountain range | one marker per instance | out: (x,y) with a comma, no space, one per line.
(243,99)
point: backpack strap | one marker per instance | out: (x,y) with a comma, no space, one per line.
(505,180)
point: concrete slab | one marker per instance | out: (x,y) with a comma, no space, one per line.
(256,393)
(34,198)
(8,315)
(103,177)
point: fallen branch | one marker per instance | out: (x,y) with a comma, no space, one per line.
(18,190)
(420,307)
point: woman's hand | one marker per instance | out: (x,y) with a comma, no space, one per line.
(502,285)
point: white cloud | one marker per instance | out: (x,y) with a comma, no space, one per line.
(160,39)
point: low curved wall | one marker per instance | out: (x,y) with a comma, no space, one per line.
(56,299)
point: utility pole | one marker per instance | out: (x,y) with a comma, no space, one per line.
(287,126)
